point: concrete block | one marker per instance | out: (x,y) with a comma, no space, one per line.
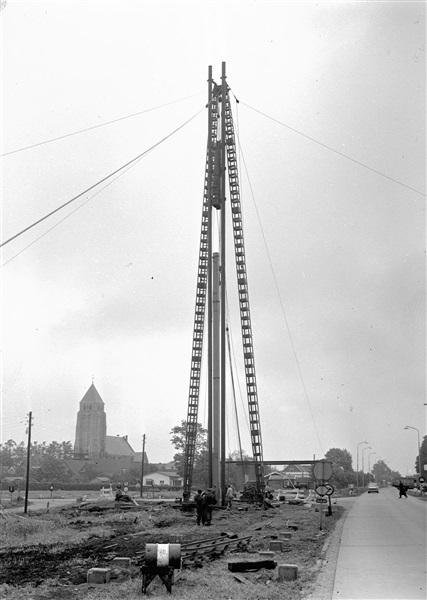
(266,555)
(98,576)
(285,535)
(287,572)
(122,561)
(276,546)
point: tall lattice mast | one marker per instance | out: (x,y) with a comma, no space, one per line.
(220,151)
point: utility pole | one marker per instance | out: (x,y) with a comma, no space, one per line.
(30,417)
(142,463)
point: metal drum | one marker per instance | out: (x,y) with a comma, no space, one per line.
(163,555)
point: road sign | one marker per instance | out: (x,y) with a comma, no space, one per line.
(330,489)
(322,470)
(421,479)
(322,490)
(321,500)
(11,489)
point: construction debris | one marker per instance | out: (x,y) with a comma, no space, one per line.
(251,565)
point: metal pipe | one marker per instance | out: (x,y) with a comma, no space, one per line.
(223,285)
(209,292)
(216,374)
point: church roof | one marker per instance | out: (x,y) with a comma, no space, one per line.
(118,446)
(92,396)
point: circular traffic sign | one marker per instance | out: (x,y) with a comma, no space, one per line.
(322,470)
(421,479)
(330,489)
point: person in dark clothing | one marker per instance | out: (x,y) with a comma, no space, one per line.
(198,499)
(209,499)
(402,490)
(119,492)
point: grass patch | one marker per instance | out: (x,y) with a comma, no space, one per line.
(47,557)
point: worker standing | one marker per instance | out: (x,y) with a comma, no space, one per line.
(209,499)
(198,499)
(229,495)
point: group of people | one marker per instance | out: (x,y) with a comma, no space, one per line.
(205,502)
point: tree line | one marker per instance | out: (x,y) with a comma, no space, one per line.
(48,464)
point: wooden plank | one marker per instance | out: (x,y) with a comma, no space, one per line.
(251,565)
(240,578)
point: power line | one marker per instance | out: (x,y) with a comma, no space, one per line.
(357,162)
(128,164)
(281,303)
(61,137)
(72,212)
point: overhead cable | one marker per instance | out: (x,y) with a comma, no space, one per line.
(61,137)
(72,212)
(281,303)
(143,154)
(357,162)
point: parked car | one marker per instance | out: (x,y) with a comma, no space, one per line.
(373,488)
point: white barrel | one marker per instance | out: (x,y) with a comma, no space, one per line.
(163,555)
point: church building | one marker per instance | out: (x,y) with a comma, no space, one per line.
(91,428)
(92,441)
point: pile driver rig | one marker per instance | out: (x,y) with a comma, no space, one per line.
(221,156)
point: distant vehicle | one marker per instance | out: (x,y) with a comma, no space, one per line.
(373,488)
(408,482)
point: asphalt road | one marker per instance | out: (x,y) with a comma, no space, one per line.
(382,554)
(41,504)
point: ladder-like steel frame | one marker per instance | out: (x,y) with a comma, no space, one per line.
(210,189)
(243,291)
(212,198)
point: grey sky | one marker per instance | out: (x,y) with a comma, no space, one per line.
(335,251)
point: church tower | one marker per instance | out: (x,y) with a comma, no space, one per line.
(91,428)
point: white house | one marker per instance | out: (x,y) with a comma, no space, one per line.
(163,478)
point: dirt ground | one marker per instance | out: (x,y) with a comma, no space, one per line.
(125,534)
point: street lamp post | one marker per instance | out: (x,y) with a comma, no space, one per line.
(369,465)
(363,464)
(419,451)
(357,462)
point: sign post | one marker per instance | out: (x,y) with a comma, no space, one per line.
(322,472)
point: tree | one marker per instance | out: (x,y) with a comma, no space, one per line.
(382,472)
(423,456)
(342,465)
(12,454)
(52,469)
(200,466)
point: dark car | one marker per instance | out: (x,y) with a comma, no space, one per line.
(373,488)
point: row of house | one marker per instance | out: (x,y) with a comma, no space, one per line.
(289,476)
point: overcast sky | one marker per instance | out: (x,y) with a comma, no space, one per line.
(335,249)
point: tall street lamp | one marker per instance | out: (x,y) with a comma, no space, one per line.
(369,465)
(419,452)
(357,462)
(363,465)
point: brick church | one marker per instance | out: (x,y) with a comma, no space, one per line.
(93,448)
